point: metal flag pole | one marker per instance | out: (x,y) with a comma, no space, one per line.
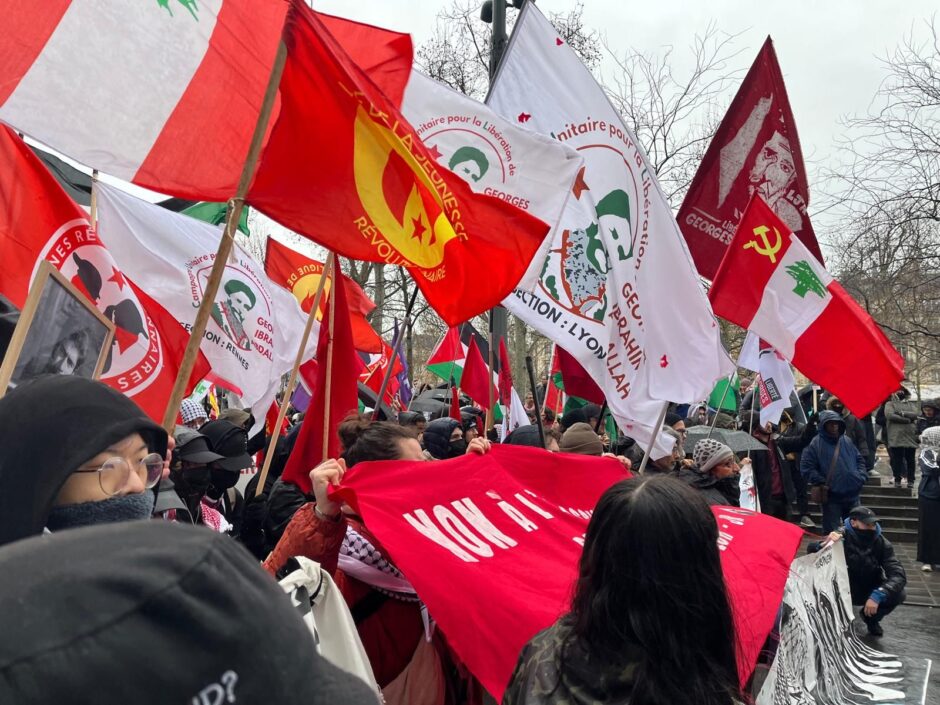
(378,414)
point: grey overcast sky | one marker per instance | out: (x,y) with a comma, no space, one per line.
(829,50)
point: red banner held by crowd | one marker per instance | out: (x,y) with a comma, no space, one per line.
(471,533)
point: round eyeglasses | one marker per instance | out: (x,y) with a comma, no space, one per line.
(115,472)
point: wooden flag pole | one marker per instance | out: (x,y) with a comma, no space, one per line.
(328,377)
(656,429)
(292,380)
(93,206)
(378,413)
(235,207)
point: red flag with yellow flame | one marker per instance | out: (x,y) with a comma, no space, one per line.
(343,167)
(300,275)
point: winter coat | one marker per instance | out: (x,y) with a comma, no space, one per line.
(286,498)
(723,492)
(850,472)
(763,475)
(901,417)
(874,571)
(929,487)
(536,680)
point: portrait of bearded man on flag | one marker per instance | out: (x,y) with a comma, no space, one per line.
(771,176)
(230,315)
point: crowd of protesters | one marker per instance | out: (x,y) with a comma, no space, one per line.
(110,464)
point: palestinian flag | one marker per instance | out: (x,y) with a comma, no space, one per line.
(450,355)
(216,213)
(725,395)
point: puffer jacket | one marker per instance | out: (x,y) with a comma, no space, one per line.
(901,416)
(850,471)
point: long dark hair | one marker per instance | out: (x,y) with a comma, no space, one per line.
(650,578)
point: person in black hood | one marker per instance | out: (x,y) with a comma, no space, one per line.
(105,607)
(443,439)
(853,426)
(75,452)
(876,576)
(929,415)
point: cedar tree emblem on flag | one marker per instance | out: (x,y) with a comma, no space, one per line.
(806,279)
(189,5)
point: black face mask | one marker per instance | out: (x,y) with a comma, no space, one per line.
(220,481)
(191,483)
(838,407)
(866,535)
(457,448)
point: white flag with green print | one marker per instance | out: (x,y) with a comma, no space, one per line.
(618,289)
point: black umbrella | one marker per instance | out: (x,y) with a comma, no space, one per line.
(370,398)
(738,441)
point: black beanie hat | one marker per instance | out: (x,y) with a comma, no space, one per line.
(437,436)
(49,427)
(527,435)
(154,612)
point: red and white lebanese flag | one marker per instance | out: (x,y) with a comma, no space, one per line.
(770,283)
(164,93)
(39,221)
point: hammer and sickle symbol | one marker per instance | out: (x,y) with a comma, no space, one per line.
(767,249)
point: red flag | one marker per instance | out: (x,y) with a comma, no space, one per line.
(455,403)
(471,538)
(39,221)
(343,167)
(476,380)
(375,370)
(505,374)
(755,150)
(301,276)
(578,383)
(344,397)
(769,283)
